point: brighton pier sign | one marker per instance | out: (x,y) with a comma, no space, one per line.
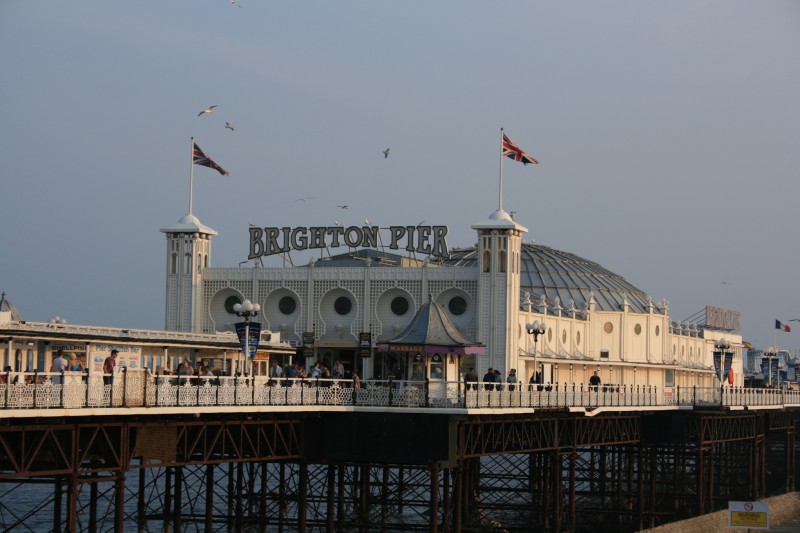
(422,239)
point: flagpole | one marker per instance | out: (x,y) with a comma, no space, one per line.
(191,174)
(500,199)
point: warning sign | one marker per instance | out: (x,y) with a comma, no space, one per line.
(748,515)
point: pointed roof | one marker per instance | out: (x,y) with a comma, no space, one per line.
(189,224)
(7,306)
(431,331)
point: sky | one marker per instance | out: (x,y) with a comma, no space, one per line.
(666,132)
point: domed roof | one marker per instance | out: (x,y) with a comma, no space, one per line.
(556,274)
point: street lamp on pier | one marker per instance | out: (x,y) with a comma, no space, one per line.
(246,310)
(536,328)
(722,346)
(770,354)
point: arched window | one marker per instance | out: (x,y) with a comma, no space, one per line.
(188,265)
(199,263)
(173,269)
(502,261)
(487,261)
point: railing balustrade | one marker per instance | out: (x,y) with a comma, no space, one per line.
(140,388)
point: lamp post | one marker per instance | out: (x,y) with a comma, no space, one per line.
(722,346)
(246,310)
(536,328)
(769,353)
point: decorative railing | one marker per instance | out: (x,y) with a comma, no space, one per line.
(139,388)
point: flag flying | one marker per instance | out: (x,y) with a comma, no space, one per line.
(781,326)
(199,158)
(515,152)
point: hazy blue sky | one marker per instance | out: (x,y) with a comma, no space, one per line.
(667,133)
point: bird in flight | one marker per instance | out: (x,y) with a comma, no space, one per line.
(304,199)
(386,153)
(209,109)
(342,206)
(725,283)
(337,223)
(228,125)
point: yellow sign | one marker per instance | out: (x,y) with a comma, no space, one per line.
(742,519)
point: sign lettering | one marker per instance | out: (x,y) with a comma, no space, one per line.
(430,240)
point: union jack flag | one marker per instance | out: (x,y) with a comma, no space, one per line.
(200,158)
(515,152)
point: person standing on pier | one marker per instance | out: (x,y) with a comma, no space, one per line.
(471,378)
(59,365)
(488,379)
(594,381)
(108,367)
(511,379)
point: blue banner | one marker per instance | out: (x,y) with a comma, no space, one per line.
(728,363)
(717,363)
(250,345)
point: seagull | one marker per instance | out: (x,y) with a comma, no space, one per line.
(209,109)
(228,125)
(233,3)
(367,222)
(386,153)
(304,199)
(337,223)
(342,206)
(725,283)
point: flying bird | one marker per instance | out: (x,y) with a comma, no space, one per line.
(209,109)
(725,283)
(386,153)
(337,223)
(342,206)
(304,199)
(228,125)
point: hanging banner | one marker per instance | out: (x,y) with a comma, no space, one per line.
(308,343)
(717,363)
(728,363)
(365,344)
(248,339)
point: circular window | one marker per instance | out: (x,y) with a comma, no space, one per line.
(230,301)
(457,305)
(577,337)
(658,330)
(287,305)
(608,327)
(637,329)
(399,306)
(342,305)
(564,337)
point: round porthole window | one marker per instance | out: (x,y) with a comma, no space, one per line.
(637,329)
(658,330)
(342,305)
(230,301)
(457,305)
(287,305)
(608,327)
(399,306)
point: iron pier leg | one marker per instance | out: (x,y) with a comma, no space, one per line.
(363,503)
(384,497)
(302,504)
(141,520)
(446,502)
(57,488)
(167,511)
(263,520)
(340,500)
(331,500)
(119,503)
(459,498)
(72,504)
(177,499)
(790,456)
(434,508)
(230,499)
(209,518)
(239,525)
(93,504)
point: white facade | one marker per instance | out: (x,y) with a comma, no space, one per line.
(337,300)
